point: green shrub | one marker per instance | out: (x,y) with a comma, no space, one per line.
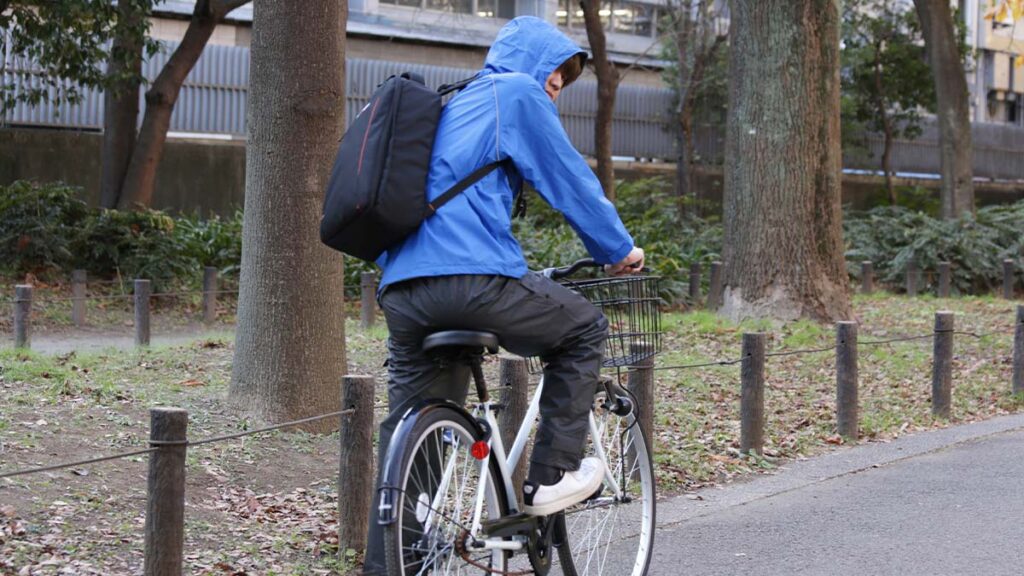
(46,228)
(650,211)
(39,226)
(892,237)
(213,241)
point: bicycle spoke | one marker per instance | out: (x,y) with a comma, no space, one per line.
(600,531)
(440,488)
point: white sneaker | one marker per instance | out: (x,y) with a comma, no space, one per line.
(574,487)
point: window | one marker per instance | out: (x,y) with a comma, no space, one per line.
(616,17)
(635,19)
(481,8)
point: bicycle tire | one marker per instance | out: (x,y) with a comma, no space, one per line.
(405,541)
(621,546)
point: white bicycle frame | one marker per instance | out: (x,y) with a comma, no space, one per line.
(507,462)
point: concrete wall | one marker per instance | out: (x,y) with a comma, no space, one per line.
(209,176)
(194,175)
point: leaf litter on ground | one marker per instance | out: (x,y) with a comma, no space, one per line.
(268,505)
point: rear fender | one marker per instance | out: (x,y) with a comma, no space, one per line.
(390,491)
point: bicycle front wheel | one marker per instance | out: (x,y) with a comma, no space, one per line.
(613,534)
(440,486)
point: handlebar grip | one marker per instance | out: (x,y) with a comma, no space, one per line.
(565,271)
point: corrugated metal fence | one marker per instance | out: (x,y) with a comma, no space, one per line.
(213,100)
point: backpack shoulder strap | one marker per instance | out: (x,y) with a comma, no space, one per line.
(445,89)
(465,183)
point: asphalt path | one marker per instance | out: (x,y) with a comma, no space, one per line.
(949,501)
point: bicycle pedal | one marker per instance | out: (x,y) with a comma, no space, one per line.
(509,525)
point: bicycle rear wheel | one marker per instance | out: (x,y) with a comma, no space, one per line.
(613,535)
(439,485)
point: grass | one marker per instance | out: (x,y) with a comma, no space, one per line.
(267,503)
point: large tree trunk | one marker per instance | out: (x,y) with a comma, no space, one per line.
(140,180)
(607,86)
(953,104)
(783,218)
(121,103)
(290,342)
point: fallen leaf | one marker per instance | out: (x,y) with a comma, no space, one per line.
(192,383)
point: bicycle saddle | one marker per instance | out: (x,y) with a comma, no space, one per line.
(462,339)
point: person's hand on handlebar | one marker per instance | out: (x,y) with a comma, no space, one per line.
(633,263)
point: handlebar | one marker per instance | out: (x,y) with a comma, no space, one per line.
(566,271)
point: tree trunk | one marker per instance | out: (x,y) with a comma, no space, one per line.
(290,342)
(607,85)
(783,220)
(887,161)
(140,180)
(683,176)
(682,24)
(953,107)
(121,104)
(886,126)
(705,53)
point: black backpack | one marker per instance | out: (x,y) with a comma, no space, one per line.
(376,196)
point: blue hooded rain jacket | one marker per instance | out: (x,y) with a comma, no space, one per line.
(505,114)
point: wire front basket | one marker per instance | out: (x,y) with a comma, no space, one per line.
(633,309)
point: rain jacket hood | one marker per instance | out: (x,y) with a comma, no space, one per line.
(531,46)
(505,115)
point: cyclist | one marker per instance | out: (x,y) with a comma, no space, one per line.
(463,269)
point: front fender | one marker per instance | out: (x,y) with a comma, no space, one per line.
(390,491)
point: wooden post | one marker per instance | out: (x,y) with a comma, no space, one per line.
(514,377)
(912,278)
(867,277)
(78,282)
(1008,279)
(165,507)
(368,283)
(23,316)
(142,292)
(752,394)
(942,365)
(209,295)
(695,284)
(641,384)
(714,300)
(846,379)
(356,473)
(1018,352)
(945,279)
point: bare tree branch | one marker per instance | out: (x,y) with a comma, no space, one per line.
(636,61)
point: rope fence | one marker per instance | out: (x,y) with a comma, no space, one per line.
(25,301)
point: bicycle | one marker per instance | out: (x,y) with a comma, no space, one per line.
(448,503)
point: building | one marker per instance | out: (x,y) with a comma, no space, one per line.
(456,33)
(997,85)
